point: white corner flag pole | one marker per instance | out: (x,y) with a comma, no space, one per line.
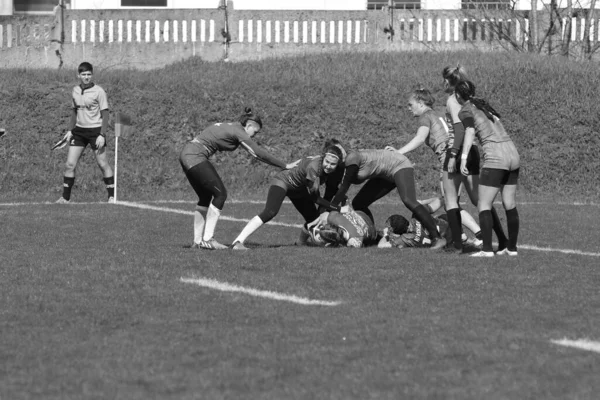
(117,134)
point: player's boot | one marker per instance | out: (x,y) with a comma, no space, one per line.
(438,244)
(111,200)
(507,252)
(483,254)
(212,244)
(238,246)
(62,200)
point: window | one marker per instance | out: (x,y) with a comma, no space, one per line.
(143,3)
(398,4)
(34,5)
(487,4)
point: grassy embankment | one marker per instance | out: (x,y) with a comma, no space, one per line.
(547,104)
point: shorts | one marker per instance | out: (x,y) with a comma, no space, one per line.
(84,136)
(473,161)
(503,155)
(192,154)
(498,177)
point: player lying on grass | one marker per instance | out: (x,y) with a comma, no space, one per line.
(348,228)
(301,185)
(205,180)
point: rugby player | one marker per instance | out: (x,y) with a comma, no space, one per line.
(348,228)
(500,171)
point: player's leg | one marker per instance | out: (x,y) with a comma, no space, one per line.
(509,193)
(305,206)
(194,176)
(471,185)
(212,182)
(371,191)
(405,183)
(275,199)
(488,189)
(452,182)
(107,171)
(73,155)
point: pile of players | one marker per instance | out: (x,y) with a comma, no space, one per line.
(327,221)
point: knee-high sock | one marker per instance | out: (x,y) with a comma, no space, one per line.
(212,216)
(486,222)
(110,185)
(512,221)
(67,185)
(426,219)
(497,226)
(199,222)
(249,229)
(454,220)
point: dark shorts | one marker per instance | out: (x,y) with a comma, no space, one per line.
(498,177)
(84,136)
(473,161)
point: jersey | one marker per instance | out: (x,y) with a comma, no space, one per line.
(452,109)
(221,137)
(439,132)
(307,174)
(485,130)
(416,236)
(356,229)
(376,164)
(89,103)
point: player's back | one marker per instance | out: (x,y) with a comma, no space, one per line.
(222,137)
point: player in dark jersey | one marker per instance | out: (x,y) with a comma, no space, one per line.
(401,233)
(301,185)
(500,171)
(350,228)
(435,132)
(205,180)
(385,171)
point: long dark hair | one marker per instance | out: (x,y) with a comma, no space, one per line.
(248,115)
(337,144)
(466,90)
(454,75)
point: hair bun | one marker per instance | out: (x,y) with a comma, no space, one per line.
(248,110)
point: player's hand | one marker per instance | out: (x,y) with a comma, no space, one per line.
(321,220)
(463,167)
(452,165)
(292,164)
(345,209)
(390,148)
(100,142)
(68,136)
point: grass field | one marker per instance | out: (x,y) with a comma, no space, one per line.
(103,302)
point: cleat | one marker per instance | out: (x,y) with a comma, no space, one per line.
(195,246)
(111,200)
(506,252)
(483,254)
(238,246)
(212,244)
(477,242)
(438,244)
(464,238)
(62,200)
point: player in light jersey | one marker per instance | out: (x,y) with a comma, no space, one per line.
(500,171)
(205,180)
(88,125)
(384,170)
(301,185)
(434,132)
(350,228)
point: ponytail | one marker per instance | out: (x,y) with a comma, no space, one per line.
(466,91)
(423,95)
(454,74)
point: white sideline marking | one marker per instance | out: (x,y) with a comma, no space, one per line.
(184,212)
(227,287)
(583,344)
(566,251)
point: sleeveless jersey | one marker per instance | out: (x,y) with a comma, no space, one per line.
(356,225)
(377,164)
(485,130)
(439,132)
(307,174)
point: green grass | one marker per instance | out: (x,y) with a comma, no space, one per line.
(93,307)
(547,104)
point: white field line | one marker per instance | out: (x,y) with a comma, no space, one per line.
(583,344)
(227,287)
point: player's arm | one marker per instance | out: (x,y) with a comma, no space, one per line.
(468,121)
(261,154)
(350,175)
(416,141)
(101,140)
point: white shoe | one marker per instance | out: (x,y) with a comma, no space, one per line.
(62,200)
(212,244)
(111,200)
(238,246)
(506,252)
(483,254)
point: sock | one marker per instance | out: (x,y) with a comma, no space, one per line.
(512,221)
(212,216)
(67,185)
(454,221)
(110,186)
(199,222)
(420,212)
(497,226)
(249,229)
(486,222)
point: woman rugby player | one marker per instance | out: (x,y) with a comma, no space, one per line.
(205,180)
(301,185)
(500,171)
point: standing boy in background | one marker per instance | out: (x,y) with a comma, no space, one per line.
(88,125)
